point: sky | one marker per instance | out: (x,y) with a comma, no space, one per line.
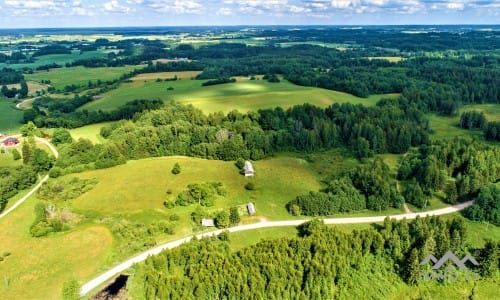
(106,13)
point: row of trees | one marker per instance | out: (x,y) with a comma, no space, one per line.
(13,180)
(323,263)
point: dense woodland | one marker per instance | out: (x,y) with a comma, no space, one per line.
(323,263)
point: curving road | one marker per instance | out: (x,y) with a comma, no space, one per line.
(92,284)
(33,190)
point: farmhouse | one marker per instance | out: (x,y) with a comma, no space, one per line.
(251,209)
(10,141)
(248,169)
(207,223)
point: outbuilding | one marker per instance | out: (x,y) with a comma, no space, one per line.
(10,141)
(207,223)
(248,168)
(251,209)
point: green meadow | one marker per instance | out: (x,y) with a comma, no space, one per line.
(447,127)
(62,77)
(10,117)
(90,132)
(243,95)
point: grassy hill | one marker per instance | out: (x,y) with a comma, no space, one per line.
(10,117)
(243,95)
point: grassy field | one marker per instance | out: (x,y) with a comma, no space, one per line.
(447,127)
(37,267)
(243,95)
(90,132)
(277,181)
(59,78)
(10,117)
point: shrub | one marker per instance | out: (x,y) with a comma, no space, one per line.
(250,186)
(176,169)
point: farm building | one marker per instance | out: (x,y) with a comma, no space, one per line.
(207,223)
(251,209)
(248,169)
(11,141)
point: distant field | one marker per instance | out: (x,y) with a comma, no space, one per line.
(166,75)
(10,117)
(33,86)
(389,58)
(243,95)
(60,59)
(79,75)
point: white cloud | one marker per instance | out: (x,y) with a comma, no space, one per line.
(455,5)
(224,11)
(176,6)
(114,6)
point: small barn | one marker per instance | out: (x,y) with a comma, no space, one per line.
(10,141)
(207,223)
(249,171)
(251,209)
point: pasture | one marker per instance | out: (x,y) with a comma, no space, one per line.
(243,95)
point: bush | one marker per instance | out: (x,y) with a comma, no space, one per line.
(16,155)
(55,172)
(176,169)
(174,217)
(240,163)
(250,186)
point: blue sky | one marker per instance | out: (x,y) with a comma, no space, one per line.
(91,13)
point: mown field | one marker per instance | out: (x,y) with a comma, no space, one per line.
(62,77)
(244,95)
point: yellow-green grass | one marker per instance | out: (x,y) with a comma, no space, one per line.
(90,132)
(389,58)
(38,267)
(242,95)
(33,86)
(491,111)
(166,75)
(62,77)
(10,117)
(143,184)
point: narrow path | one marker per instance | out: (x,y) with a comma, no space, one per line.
(92,284)
(38,186)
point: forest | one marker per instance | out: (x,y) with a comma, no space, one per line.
(322,263)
